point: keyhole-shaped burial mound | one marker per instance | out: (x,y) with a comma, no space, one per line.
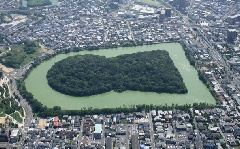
(86,75)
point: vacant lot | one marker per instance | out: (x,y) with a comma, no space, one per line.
(6,69)
(42,123)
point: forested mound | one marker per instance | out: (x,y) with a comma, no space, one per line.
(85,75)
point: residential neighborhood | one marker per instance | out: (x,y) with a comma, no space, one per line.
(209,32)
(208,128)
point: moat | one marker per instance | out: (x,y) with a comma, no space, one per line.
(36,83)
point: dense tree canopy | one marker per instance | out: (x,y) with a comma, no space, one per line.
(85,75)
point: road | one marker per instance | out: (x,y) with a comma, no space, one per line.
(199,141)
(151,130)
(128,135)
(24,104)
(175,132)
(80,133)
(229,12)
(13,90)
(130,32)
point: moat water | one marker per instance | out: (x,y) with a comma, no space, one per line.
(36,83)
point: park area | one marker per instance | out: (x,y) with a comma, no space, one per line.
(18,55)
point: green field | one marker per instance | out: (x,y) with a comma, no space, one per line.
(35,3)
(149,2)
(17,117)
(21,111)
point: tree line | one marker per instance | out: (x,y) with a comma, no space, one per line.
(85,75)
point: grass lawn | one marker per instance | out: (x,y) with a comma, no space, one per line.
(2,115)
(17,117)
(35,3)
(21,111)
(149,2)
(123,121)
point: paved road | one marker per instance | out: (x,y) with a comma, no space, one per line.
(24,104)
(80,133)
(13,90)
(199,141)
(151,130)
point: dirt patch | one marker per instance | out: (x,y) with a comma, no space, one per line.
(6,69)
(44,49)
(190,36)
(42,123)
(4,80)
(18,17)
(2,120)
(7,19)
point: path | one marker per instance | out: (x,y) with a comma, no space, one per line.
(130,32)
(26,108)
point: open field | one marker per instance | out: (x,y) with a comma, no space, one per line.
(6,69)
(41,123)
(45,49)
(2,120)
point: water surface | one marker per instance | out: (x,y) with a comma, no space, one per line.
(36,83)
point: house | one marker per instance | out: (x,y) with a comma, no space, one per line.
(139,115)
(14,136)
(227,129)
(237,133)
(181,127)
(97,131)
(56,121)
(66,124)
(154,113)
(201,127)
(209,145)
(66,134)
(3,135)
(122,116)
(77,121)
